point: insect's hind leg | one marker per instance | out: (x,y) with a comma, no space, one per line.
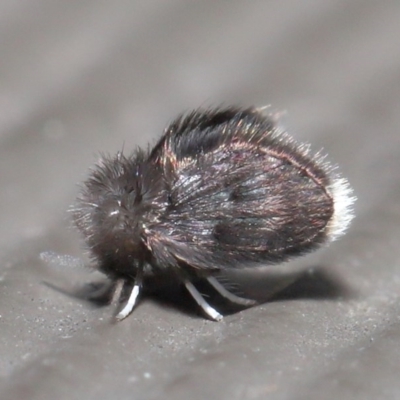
(226,294)
(207,309)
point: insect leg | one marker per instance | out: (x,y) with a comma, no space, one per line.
(102,293)
(228,295)
(208,310)
(118,288)
(133,296)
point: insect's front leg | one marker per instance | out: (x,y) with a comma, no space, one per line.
(130,304)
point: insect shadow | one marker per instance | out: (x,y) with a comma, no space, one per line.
(316,283)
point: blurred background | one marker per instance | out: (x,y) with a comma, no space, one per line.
(80,77)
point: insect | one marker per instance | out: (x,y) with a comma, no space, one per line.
(223,188)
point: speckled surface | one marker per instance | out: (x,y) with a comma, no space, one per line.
(80,77)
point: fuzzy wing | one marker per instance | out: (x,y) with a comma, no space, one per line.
(239,193)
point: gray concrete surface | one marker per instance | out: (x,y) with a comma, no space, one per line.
(80,77)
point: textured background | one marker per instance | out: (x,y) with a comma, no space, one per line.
(77,77)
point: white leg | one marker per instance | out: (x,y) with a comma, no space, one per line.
(130,304)
(228,295)
(208,310)
(133,296)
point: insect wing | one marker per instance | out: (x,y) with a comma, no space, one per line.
(241,197)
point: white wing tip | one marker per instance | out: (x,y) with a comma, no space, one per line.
(343,203)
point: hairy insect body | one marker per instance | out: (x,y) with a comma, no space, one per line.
(223,188)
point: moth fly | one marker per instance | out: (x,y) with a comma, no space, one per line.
(223,188)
